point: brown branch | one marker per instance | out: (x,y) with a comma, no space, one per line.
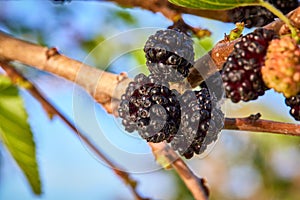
(267,126)
(171,11)
(180,24)
(16,77)
(196,185)
(96,82)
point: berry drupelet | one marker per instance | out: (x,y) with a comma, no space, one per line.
(169,54)
(151,108)
(241,74)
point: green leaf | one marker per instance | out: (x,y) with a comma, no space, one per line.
(16,134)
(214,4)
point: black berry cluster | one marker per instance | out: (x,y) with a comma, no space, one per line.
(151,108)
(201,121)
(294,103)
(190,121)
(257,16)
(241,74)
(169,55)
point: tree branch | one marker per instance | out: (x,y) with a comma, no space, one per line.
(171,11)
(16,77)
(267,126)
(196,185)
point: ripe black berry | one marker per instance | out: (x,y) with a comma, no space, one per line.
(241,75)
(169,55)
(201,121)
(257,16)
(294,103)
(151,108)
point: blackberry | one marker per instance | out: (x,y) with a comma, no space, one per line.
(169,55)
(257,16)
(200,123)
(294,103)
(241,74)
(151,108)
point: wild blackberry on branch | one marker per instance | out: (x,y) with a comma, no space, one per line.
(169,55)
(201,121)
(241,75)
(282,66)
(294,103)
(257,16)
(151,108)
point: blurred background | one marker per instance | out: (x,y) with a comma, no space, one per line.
(241,165)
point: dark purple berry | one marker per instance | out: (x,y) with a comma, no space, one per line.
(151,108)
(201,121)
(242,78)
(169,55)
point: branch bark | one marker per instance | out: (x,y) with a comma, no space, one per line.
(172,11)
(267,126)
(196,185)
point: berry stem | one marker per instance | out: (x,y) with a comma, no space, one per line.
(281,16)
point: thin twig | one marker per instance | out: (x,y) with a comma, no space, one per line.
(260,125)
(180,24)
(171,11)
(196,185)
(50,108)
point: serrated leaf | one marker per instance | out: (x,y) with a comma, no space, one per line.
(16,134)
(214,4)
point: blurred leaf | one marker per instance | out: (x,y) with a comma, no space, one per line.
(88,45)
(214,4)
(126,17)
(139,56)
(16,134)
